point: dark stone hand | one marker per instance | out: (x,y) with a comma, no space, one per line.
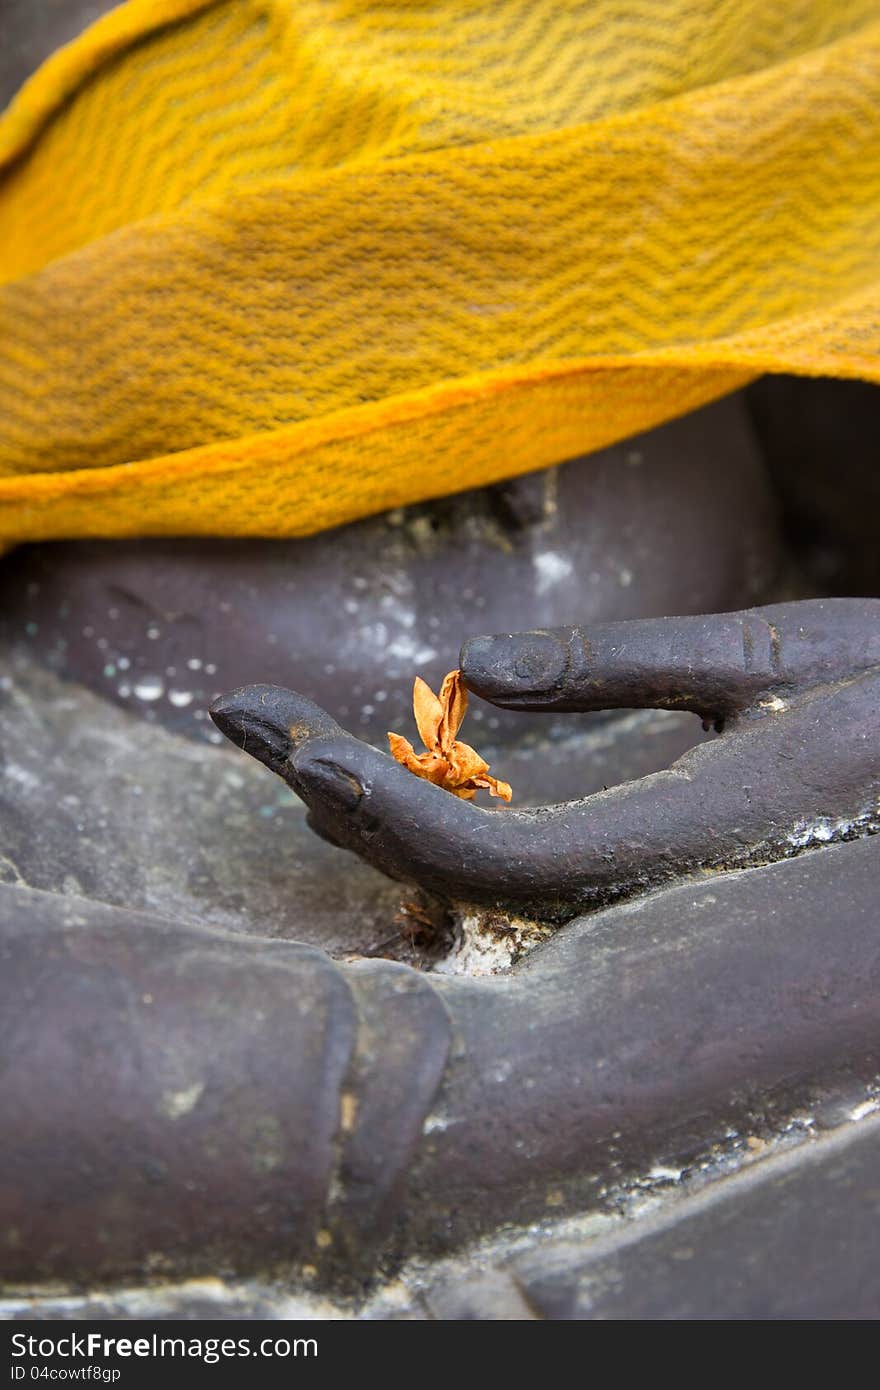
(793,690)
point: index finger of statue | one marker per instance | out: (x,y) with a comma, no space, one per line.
(809,768)
(358,798)
(716,665)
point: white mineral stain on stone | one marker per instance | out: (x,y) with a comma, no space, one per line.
(488,944)
(823,830)
(150,688)
(397,611)
(867,1107)
(550,569)
(660,1173)
(437,1122)
(373,635)
(178,1103)
(22,775)
(406,649)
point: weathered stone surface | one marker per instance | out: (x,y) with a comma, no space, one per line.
(791,688)
(349,617)
(819,439)
(175,1093)
(796,1237)
(188,1102)
(93,801)
(793,1235)
(601,1068)
(642,1034)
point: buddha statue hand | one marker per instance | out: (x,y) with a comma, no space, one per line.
(792,691)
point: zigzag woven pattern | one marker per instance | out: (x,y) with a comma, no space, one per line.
(270,265)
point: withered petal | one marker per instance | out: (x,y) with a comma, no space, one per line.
(448,763)
(432,766)
(428,711)
(453,700)
(435,768)
(495,787)
(403,751)
(466,761)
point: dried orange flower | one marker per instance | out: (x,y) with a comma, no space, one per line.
(447,763)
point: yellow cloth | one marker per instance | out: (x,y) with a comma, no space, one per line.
(270,265)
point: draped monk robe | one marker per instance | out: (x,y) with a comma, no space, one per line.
(271,265)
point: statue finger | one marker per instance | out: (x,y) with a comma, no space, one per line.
(716,666)
(768,788)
